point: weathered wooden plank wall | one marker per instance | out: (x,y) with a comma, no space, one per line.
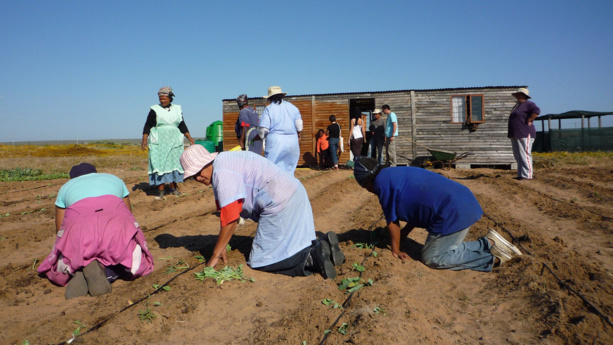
(425,119)
(489,142)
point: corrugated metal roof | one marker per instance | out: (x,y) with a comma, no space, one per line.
(390,91)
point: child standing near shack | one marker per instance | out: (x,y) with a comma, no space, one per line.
(323,149)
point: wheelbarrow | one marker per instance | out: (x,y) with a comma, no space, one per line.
(443,157)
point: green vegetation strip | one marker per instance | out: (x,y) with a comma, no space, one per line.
(28,174)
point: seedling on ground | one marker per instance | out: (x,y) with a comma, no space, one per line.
(178,266)
(330,303)
(354,284)
(165,287)
(362,245)
(33,265)
(77,331)
(343,328)
(200,258)
(146,315)
(379,310)
(228,248)
(225,274)
(357,267)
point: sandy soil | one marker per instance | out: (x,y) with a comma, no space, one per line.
(562,220)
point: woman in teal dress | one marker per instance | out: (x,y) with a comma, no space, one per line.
(163,135)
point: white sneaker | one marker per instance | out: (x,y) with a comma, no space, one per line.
(502,256)
(501,245)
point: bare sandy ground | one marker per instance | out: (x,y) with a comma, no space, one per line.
(562,220)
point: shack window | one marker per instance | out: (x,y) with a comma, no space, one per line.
(467,109)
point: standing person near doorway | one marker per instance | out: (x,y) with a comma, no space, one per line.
(377,138)
(334,133)
(522,133)
(248,120)
(280,125)
(391,132)
(357,134)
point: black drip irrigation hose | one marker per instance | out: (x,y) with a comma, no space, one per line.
(348,299)
(103,322)
(560,281)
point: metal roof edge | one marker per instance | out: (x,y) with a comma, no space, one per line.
(390,91)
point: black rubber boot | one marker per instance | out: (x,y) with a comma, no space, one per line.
(336,254)
(321,260)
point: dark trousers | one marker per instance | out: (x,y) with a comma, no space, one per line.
(356,147)
(294,266)
(376,151)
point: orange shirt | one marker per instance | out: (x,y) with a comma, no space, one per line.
(230,212)
(322,143)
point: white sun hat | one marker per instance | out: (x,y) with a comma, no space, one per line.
(376,111)
(194,158)
(275,90)
(523,90)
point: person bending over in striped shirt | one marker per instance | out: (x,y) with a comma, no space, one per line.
(250,186)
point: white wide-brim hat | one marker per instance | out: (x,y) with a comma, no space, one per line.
(194,158)
(376,111)
(275,90)
(523,90)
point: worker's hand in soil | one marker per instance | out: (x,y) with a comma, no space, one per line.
(401,255)
(215,260)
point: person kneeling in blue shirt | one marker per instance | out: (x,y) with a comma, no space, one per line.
(446,209)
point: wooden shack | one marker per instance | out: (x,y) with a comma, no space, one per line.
(471,119)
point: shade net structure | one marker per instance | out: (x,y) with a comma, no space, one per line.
(575,139)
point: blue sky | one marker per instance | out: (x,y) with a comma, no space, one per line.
(91,69)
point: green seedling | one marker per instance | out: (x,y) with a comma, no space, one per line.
(357,267)
(3,238)
(146,315)
(177,266)
(225,274)
(165,287)
(362,245)
(5,215)
(166,258)
(228,248)
(354,284)
(379,310)
(33,265)
(330,303)
(374,253)
(157,304)
(327,331)
(343,328)
(200,258)
(77,331)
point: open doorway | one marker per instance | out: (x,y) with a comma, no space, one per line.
(362,108)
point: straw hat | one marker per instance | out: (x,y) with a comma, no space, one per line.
(376,111)
(523,90)
(194,158)
(275,90)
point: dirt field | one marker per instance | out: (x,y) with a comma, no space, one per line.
(562,220)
